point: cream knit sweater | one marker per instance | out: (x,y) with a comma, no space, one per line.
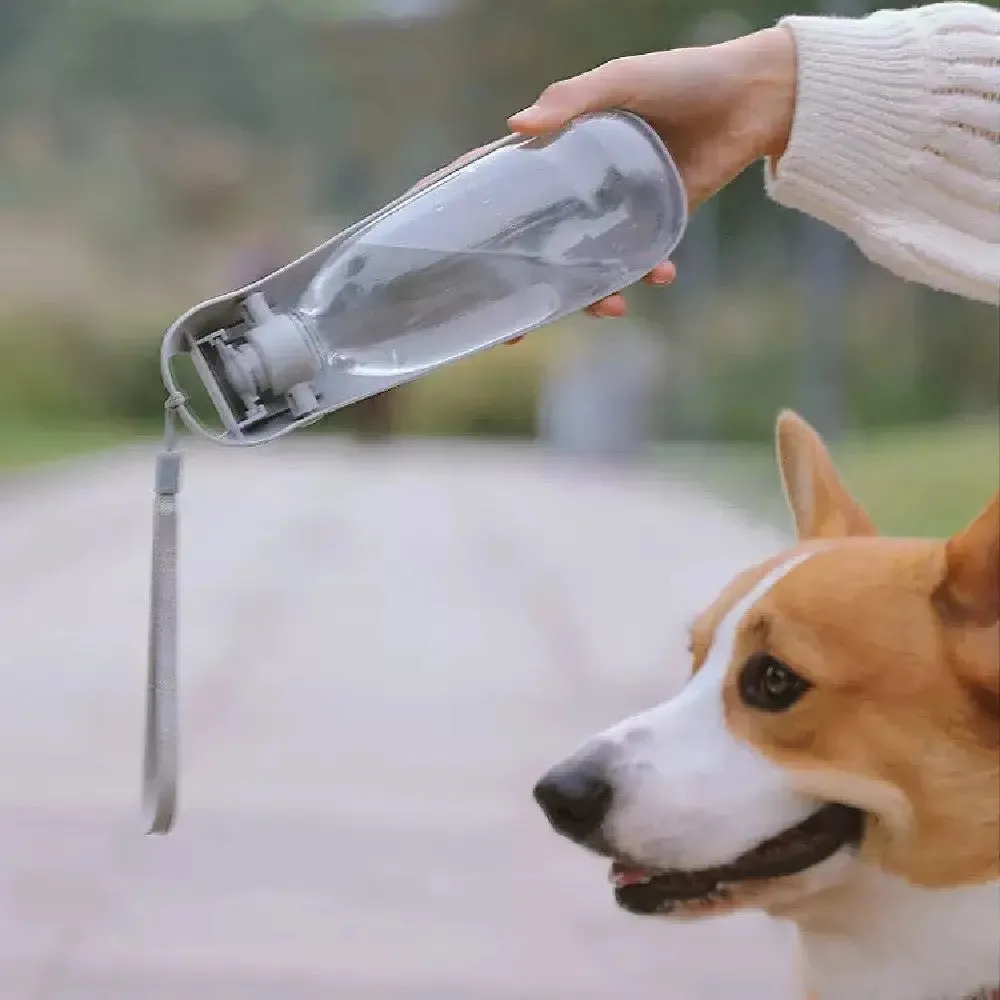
(896,140)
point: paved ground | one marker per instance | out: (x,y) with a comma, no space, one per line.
(381,649)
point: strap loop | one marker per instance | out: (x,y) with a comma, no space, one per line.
(160,756)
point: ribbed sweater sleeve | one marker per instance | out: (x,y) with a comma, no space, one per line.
(896,140)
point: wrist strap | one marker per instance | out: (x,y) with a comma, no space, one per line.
(159,766)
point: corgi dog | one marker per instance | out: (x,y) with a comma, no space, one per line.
(833,760)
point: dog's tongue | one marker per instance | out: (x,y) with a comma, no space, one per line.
(624,875)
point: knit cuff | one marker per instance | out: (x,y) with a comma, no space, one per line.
(859,98)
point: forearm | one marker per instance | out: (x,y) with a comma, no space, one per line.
(895,140)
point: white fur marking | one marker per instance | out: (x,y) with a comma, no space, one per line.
(690,794)
(880,938)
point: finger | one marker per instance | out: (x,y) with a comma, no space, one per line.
(600,89)
(613,307)
(662,274)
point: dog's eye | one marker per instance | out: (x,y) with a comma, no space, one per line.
(768,685)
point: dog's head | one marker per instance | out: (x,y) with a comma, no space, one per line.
(844,704)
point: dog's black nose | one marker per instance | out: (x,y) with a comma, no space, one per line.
(576,796)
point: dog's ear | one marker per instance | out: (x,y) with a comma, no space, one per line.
(969,596)
(820,505)
(969,591)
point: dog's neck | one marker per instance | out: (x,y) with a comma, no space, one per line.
(881,938)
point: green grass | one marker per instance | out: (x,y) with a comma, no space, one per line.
(23,446)
(914,481)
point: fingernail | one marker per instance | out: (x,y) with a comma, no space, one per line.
(531,111)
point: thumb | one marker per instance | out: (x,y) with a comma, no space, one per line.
(601,89)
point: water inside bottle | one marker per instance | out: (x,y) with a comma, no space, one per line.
(392,310)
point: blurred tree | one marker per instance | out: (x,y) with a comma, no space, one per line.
(181,120)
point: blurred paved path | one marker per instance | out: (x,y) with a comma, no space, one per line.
(382,648)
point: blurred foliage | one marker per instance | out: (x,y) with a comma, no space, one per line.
(925,479)
(374,101)
(492,394)
(57,365)
(146,146)
(29,443)
(55,371)
(911,356)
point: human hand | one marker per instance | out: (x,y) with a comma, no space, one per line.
(718,108)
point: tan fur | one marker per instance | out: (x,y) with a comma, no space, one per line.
(970,590)
(899,638)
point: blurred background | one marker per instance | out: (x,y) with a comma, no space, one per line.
(512,544)
(155,152)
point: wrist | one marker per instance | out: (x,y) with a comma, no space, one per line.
(769,74)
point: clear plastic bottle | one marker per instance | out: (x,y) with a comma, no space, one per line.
(528,233)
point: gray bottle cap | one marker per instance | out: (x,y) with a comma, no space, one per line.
(284,353)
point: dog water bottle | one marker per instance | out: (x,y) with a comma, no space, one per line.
(526,232)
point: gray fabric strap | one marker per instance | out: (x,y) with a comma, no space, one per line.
(159,766)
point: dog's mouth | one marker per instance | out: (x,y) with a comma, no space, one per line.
(648,891)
